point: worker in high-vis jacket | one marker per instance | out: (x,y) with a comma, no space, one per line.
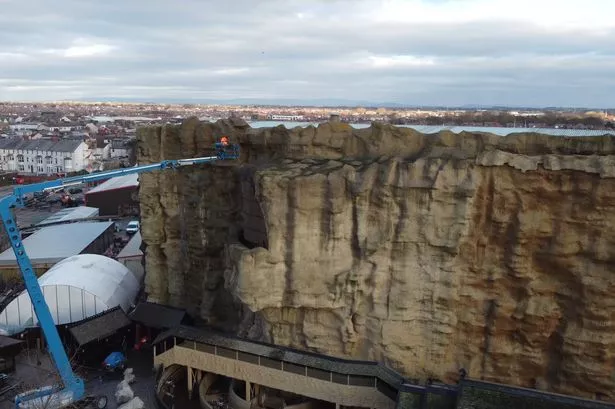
(221,146)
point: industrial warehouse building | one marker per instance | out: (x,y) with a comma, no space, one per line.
(76,288)
(70,214)
(116,197)
(51,244)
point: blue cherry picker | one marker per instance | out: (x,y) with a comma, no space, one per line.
(71,393)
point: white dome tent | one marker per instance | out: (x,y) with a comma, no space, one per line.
(76,288)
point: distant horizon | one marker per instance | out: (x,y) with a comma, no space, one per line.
(314,103)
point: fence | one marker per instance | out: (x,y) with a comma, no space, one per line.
(484,395)
(474,394)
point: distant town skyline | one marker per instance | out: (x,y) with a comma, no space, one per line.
(322,53)
(313,103)
(298,103)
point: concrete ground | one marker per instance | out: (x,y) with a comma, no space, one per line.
(32,375)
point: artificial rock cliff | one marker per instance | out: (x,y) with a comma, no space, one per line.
(427,252)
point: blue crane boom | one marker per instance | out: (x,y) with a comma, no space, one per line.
(73,386)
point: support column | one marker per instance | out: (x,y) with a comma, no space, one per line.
(257,392)
(337,405)
(190,382)
(248,387)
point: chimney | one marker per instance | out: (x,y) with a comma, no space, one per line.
(334,118)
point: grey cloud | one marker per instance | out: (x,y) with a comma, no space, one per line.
(183,49)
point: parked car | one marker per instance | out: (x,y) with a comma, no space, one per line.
(132,227)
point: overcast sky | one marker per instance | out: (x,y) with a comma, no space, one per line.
(431,52)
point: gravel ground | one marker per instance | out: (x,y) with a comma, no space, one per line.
(97,382)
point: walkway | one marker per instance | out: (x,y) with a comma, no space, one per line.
(256,363)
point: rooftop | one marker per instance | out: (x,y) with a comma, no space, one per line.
(54,243)
(71,213)
(133,248)
(157,315)
(7,342)
(99,326)
(43,145)
(120,182)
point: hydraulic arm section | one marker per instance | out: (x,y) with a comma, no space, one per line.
(73,387)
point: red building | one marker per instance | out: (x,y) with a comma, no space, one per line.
(116,197)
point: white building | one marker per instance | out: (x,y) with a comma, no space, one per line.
(43,156)
(75,288)
(28,127)
(63,128)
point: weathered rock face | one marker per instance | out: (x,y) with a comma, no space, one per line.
(428,252)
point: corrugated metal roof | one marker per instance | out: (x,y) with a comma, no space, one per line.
(157,315)
(54,243)
(99,326)
(43,145)
(7,342)
(132,249)
(119,182)
(71,213)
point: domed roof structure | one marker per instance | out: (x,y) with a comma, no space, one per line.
(75,288)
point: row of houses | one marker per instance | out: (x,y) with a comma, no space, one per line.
(45,128)
(43,156)
(49,156)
